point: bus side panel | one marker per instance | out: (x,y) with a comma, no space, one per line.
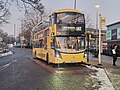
(51,56)
(44,54)
(37,52)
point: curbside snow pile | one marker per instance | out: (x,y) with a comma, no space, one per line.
(103,80)
(5,54)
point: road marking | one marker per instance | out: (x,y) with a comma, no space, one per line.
(6,65)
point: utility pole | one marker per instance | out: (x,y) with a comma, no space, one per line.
(14,32)
(88,41)
(100,63)
(97,7)
(102,27)
(74,4)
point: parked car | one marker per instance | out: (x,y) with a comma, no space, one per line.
(10,45)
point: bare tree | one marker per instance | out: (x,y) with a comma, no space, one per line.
(32,18)
(4,12)
(23,4)
(3,35)
(34,14)
(4,16)
(89,22)
(36,4)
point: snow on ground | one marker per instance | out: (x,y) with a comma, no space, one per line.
(5,54)
(114,75)
(103,81)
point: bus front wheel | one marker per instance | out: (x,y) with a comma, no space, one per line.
(35,55)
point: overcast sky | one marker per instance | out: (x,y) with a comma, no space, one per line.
(108,8)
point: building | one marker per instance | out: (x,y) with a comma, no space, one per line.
(112,38)
(113,34)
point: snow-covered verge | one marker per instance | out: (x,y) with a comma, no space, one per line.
(103,80)
(5,54)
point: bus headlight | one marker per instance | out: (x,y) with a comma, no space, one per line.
(85,55)
(57,54)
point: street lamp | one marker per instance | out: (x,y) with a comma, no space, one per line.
(74,4)
(14,34)
(97,7)
(100,40)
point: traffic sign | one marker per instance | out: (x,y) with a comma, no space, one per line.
(103,22)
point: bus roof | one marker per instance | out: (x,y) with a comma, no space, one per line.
(67,10)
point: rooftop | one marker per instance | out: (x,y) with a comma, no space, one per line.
(113,24)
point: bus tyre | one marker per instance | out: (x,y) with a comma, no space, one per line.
(47,59)
(35,55)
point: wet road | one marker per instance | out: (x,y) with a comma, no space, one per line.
(20,72)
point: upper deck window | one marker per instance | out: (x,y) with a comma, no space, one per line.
(70,17)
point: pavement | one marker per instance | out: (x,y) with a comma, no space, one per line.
(106,61)
(113,72)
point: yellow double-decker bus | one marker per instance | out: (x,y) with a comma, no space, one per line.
(61,39)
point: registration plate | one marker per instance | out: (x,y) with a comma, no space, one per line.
(73,61)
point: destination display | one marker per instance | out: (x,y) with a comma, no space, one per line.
(70,29)
(65,28)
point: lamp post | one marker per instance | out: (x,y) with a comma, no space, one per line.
(74,4)
(14,34)
(97,7)
(100,63)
